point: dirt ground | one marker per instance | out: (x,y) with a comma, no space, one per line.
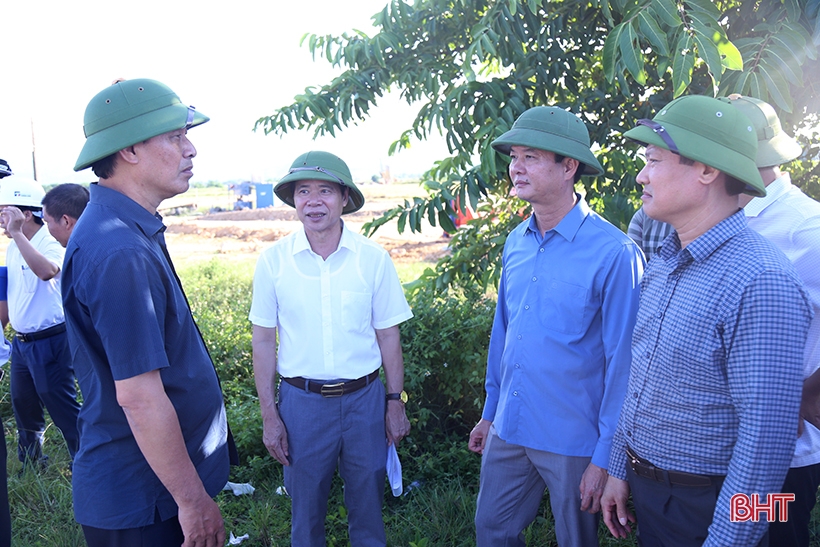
(244,234)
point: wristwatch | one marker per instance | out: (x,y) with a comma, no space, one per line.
(397,396)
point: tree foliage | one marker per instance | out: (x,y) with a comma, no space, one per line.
(473,66)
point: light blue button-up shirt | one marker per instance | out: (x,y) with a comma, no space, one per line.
(559,353)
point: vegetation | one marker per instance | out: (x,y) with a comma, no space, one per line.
(473,66)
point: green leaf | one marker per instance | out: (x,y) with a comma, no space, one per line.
(730,55)
(704,6)
(683,62)
(631,54)
(708,51)
(610,52)
(653,33)
(667,10)
(777,87)
(782,59)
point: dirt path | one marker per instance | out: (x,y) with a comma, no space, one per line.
(244,234)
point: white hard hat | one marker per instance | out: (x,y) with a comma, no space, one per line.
(17,190)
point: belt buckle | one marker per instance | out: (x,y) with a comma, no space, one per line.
(333,390)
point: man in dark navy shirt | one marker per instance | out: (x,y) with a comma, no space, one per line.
(154,438)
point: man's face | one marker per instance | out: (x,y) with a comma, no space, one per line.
(59,228)
(671,191)
(537,178)
(167,162)
(319,204)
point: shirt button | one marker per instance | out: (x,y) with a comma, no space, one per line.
(635,395)
(647,355)
(659,314)
(526,307)
(628,433)
(517,365)
(519,337)
(534,278)
(541,250)
(515,394)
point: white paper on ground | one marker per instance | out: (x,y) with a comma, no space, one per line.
(233,540)
(239,488)
(394,470)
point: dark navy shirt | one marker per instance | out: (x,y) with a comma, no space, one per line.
(127,315)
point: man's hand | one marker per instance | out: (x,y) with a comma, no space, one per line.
(202,524)
(396,424)
(479,435)
(275,437)
(592,487)
(613,505)
(12,219)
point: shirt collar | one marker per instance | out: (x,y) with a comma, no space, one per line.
(777,188)
(709,242)
(126,208)
(301,243)
(569,225)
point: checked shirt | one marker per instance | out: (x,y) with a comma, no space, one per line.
(717,367)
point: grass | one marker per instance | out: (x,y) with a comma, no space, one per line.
(437,511)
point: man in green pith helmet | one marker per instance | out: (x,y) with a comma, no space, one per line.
(711,409)
(334,300)
(155,444)
(559,349)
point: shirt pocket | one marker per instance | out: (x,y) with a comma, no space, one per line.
(356,311)
(29,284)
(565,307)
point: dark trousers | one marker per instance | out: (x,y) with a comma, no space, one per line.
(160,534)
(673,516)
(803,483)
(42,375)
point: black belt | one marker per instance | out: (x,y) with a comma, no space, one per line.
(645,469)
(332,390)
(40,334)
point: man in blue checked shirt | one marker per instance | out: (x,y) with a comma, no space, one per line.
(559,351)
(717,352)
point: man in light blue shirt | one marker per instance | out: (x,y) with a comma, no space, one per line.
(560,346)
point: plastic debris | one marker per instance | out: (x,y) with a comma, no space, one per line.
(233,540)
(239,489)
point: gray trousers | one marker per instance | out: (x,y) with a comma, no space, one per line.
(325,433)
(513,479)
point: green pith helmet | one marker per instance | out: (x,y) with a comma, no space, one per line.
(552,129)
(707,130)
(320,166)
(128,112)
(774,146)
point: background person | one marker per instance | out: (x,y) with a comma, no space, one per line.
(42,375)
(791,220)
(155,440)
(335,302)
(62,206)
(717,350)
(559,350)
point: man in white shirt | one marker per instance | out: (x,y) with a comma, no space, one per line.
(41,369)
(791,220)
(335,301)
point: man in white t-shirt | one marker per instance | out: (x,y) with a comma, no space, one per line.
(41,370)
(335,301)
(791,220)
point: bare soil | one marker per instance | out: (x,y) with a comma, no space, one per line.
(244,234)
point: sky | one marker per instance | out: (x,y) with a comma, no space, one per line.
(235,61)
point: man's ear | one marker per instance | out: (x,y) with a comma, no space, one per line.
(708,174)
(68,222)
(571,165)
(128,155)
